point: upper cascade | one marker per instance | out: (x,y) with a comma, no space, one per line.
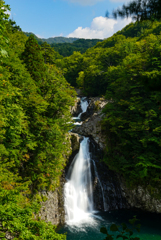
(84,106)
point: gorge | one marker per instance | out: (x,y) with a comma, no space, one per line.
(64,175)
(95,196)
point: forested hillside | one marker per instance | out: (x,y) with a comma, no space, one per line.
(35,102)
(80,45)
(126,69)
(52,39)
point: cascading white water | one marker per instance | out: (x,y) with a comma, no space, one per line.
(78,190)
(84,105)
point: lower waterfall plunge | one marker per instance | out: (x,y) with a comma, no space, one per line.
(78,190)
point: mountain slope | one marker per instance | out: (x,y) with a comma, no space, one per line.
(52,39)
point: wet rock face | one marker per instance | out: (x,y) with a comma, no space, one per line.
(76,109)
(79,92)
(52,210)
(75,145)
(92,128)
(90,110)
(92,125)
(141,198)
(116,193)
(107,192)
(96,104)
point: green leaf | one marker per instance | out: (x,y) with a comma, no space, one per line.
(121,236)
(133,221)
(103,230)
(124,227)
(114,228)
(109,237)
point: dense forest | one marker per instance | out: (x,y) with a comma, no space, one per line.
(66,46)
(51,40)
(80,45)
(35,102)
(36,92)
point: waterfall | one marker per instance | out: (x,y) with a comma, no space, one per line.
(78,189)
(84,105)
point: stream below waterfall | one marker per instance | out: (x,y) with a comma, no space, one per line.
(82,220)
(150,225)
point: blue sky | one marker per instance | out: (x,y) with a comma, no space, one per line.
(68,18)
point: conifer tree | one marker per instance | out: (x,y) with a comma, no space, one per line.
(3,24)
(49,53)
(140,10)
(33,59)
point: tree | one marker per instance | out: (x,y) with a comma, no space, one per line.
(33,59)
(72,66)
(3,24)
(49,53)
(140,10)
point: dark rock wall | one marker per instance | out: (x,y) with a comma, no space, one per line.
(107,192)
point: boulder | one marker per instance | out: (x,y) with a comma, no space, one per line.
(75,141)
(76,109)
(96,105)
(92,127)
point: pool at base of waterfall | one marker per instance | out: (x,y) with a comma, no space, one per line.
(90,229)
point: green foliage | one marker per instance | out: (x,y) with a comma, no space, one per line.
(18,212)
(140,10)
(49,53)
(123,232)
(33,59)
(54,40)
(94,63)
(127,69)
(71,67)
(35,102)
(132,119)
(80,45)
(3,25)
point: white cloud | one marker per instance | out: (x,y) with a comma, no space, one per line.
(7,11)
(39,36)
(101,28)
(85,2)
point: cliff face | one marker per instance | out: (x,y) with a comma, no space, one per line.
(52,210)
(107,193)
(140,198)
